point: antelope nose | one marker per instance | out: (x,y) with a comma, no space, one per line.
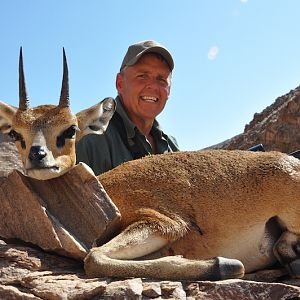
(36,153)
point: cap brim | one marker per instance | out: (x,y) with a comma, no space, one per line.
(163,52)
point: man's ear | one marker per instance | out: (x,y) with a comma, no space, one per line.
(7,113)
(119,83)
(96,118)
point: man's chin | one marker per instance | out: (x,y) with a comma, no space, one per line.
(45,174)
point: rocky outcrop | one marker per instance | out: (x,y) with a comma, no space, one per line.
(28,272)
(67,219)
(276,127)
(9,158)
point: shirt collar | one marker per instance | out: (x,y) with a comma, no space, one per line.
(129,126)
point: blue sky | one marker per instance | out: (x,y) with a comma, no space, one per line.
(232,58)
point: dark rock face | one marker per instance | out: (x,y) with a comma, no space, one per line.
(27,272)
(276,127)
(9,158)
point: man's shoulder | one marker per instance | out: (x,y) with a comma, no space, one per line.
(111,134)
(160,134)
(173,143)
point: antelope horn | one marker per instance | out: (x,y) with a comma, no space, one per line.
(64,94)
(23,98)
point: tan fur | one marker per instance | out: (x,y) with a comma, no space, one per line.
(7,113)
(202,205)
(91,117)
(42,125)
(52,121)
(215,198)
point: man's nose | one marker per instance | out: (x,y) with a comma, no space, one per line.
(152,83)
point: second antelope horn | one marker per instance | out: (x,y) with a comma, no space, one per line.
(64,94)
(23,98)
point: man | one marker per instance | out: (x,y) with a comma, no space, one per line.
(143,86)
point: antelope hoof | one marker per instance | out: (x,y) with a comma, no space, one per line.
(230,268)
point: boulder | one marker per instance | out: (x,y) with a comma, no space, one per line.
(30,273)
(276,127)
(65,214)
(9,159)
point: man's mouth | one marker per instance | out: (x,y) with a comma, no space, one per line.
(149,99)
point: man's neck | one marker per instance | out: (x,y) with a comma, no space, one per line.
(144,126)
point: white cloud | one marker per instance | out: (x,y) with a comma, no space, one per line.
(244,1)
(213,53)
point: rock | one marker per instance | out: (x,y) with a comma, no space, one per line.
(271,275)
(12,293)
(29,273)
(125,289)
(152,289)
(242,289)
(65,286)
(276,127)
(67,219)
(173,290)
(10,159)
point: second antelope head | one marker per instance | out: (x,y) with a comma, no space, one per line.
(45,135)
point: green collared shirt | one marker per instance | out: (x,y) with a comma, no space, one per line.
(106,151)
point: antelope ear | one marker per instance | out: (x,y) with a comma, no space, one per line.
(7,112)
(96,118)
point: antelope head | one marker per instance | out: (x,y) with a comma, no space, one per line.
(45,135)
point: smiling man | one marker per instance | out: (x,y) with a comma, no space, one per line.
(143,86)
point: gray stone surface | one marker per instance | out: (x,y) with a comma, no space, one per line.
(26,272)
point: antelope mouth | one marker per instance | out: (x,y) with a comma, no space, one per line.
(44,173)
(43,168)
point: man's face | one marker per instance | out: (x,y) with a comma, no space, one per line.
(144,87)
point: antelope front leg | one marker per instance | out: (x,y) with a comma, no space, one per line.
(115,259)
(287,251)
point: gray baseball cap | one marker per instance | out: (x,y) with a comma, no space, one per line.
(136,51)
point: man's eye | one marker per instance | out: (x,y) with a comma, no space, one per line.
(142,76)
(163,80)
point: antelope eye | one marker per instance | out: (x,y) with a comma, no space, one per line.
(17,137)
(70,132)
(67,134)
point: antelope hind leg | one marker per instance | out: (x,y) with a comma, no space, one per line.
(116,259)
(287,251)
